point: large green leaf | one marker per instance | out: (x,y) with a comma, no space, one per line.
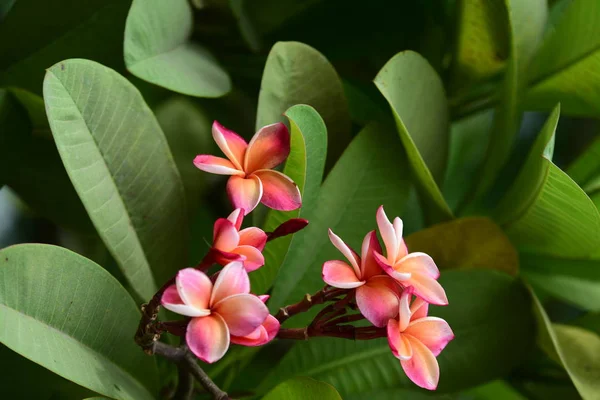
(45,33)
(416,96)
(586,168)
(369,173)
(526,22)
(489,313)
(158,50)
(576,349)
(481,46)
(472,242)
(69,315)
(301,389)
(120,164)
(295,73)
(305,166)
(565,67)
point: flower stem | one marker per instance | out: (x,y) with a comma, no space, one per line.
(323,295)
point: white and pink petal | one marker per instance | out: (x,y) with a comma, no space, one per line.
(422,368)
(244,193)
(216,165)
(339,274)
(208,337)
(230,143)
(279,191)
(377,300)
(268,148)
(242,313)
(233,279)
(433,332)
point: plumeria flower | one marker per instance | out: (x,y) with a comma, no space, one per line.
(218,312)
(376,293)
(415,269)
(232,244)
(261,335)
(250,165)
(416,340)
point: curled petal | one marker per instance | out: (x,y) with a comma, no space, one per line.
(236,218)
(279,191)
(433,332)
(428,289)
(350,254)
(422,368)
(289,227)
(194,287)
(243,313)
(262,335)
(404,315)
(208,337)
(401,348)
(269,147)
(391,270)
(338,274)
(263,297)
(173,302)
(368,265)
(244,193)
(418,308)
(230,143)
(233,279)
(216,165)
(420,263)
(225,236)
(253,258)
(225,257)
(254,237)
(377,300)
(388,234)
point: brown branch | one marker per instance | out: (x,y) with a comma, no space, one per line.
(186,360)
(323,295)
(340,331)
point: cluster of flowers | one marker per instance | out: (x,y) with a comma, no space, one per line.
(392,291)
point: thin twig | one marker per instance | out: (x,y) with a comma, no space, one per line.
(185,384)
(307,302)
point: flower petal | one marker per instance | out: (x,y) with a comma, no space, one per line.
(420,263)
(216,165)
(263,297)
(368,265)
(338,274)
(433,332)
(404,315)
(418,308)
(254,237)
(279,191)
(402,249)
(263,334)
(244,193)
(384,264)
(194,287)
(172,301)
(422,368)
(350,254)
(225,236)
(236,218)
(208,337)
(377,300)
(243,313)
(253,257)
(268,148)
(388,234)
(401,348)
(224,257)
(230,143)
(428,289)
(233,279)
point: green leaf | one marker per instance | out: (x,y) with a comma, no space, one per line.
(576,349)
(369,173)
(472,242)
(481,47)
(48,32)
(303,388)
(526,22)
(158,50)
(36,110)
(296,73)
(488,312)
(69,315)
(586,168)
(565,67)
(416,96)
(305,166)
(526,187)
(187,128)
(120,164)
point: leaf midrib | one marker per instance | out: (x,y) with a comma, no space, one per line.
(541,79)
(85,345)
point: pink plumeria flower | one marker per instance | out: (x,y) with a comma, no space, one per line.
(261,335)
(232,244)
(416,340)
(250,165)
(415,269)
(217,311)
(376,293)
